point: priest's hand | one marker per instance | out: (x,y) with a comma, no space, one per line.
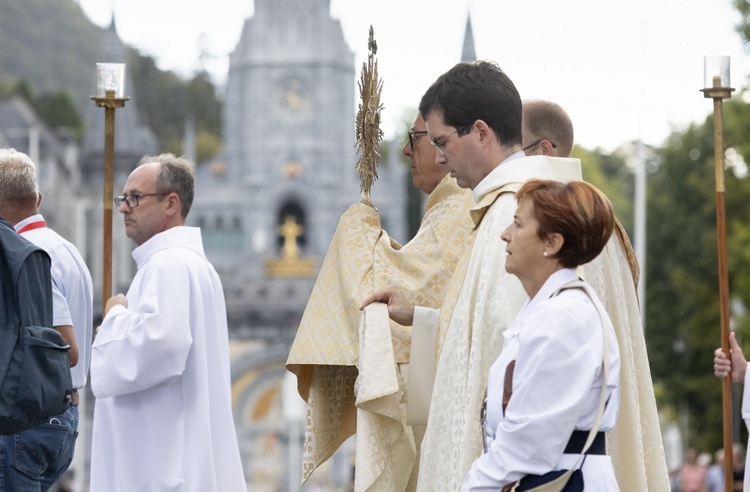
(737,365)
(399,309)
(118,300)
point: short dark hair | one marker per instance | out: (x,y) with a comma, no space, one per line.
(576,210)
(476,91)
(176,174)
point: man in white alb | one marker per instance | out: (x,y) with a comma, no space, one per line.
(160,365)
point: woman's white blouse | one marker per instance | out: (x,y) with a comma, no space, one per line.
(558,346)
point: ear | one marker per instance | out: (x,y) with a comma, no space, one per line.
(547,148)
(553,244)
(484,131)
(174,205)
(38,198)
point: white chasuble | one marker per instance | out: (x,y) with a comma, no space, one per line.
(635,444)
(482,301)
(327,353)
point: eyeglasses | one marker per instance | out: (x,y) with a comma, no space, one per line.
(133,200)
(413,134)
(554,145)
(440,142)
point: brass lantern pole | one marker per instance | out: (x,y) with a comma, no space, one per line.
(109,95)
(716,74)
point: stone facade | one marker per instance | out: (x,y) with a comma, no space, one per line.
(268,207)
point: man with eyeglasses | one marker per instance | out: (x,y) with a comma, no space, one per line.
(36,458)
(362,256)
(160,364)
(473,115)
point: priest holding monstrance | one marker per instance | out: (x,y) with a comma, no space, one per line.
(362,258)
(348,368)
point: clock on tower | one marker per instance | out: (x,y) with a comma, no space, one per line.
(292,95)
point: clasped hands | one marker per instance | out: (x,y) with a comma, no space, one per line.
(118,300)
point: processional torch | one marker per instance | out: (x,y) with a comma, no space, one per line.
(110,95)
(716,83)
(368,130)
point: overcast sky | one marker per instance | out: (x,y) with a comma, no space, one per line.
(622,70)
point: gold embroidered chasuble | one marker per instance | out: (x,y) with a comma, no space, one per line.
(329,349)
(481,302)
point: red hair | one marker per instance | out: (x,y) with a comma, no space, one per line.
(576,210)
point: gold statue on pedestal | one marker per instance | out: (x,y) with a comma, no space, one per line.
(290,264)
(290,230)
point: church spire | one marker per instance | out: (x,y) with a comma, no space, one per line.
(467,53)
(112,27)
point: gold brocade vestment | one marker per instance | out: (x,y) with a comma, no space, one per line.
(482,301)
(325,355)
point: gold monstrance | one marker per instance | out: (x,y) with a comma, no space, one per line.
(368,130)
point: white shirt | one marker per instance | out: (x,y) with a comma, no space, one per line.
(481,301)
(160,372)
(557,343)
(72,292)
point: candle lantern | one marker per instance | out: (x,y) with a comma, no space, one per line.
(716,87)
(110,95)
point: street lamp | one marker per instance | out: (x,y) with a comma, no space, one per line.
(716,87)
(110,95)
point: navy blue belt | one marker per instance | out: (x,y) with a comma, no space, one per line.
(578,440)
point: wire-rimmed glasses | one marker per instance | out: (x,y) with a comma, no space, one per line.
(554,145)
(439,143)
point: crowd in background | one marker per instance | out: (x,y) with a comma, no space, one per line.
(703,473)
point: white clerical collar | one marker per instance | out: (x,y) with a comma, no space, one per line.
(178,236)
(518,169)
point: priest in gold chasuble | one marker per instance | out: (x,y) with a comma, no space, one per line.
(327,352)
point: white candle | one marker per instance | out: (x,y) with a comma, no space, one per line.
(715,66)
(110,77)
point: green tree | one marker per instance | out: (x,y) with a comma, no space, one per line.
(52,47)
(50,44)
(58,110)
(682,308)
(166,102)
(743,7)
(610,173)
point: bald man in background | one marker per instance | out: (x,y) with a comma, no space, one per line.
(548,130)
